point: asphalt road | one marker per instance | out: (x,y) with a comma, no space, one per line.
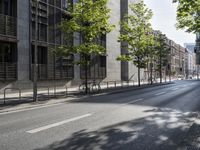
(156,118)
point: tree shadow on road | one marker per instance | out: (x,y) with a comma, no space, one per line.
(162,129)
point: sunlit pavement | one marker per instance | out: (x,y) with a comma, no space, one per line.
(162,117)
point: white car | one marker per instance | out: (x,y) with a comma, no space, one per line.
(180,77)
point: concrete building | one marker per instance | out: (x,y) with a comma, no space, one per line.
(197,49)
(17,40)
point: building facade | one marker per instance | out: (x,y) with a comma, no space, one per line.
(197,48)
(17,44)
(178,59)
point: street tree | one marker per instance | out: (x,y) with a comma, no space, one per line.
(89,19)
(134,31)
(151,51)
(188,15)
(162,52)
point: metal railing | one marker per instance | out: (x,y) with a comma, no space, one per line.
(8,25)
(94,86)
(48,90)
(17,89)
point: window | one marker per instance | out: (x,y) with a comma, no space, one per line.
(97,68)
(42,55)
(6,7)
(8,59)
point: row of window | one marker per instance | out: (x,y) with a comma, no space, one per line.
(49,66)
(8,7)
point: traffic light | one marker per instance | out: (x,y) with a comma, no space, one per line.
(195,49)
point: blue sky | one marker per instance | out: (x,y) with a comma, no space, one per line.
(164,19)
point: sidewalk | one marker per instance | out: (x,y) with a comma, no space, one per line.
(27,103)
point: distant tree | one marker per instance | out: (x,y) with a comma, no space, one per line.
(134,31)
(90,19)
(188,15)
(162,52)
(151,51)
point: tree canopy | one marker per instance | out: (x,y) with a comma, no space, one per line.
(90,19)
(188,15)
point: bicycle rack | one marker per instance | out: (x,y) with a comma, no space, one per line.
(18,89)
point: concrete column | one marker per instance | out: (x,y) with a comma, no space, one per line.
(112,45)
(76,58)
(23,38)
(124,65)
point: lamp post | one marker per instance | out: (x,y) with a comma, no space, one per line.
(35,67)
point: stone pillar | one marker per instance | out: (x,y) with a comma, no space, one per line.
(23,37)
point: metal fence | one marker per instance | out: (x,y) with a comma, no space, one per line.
(55,91)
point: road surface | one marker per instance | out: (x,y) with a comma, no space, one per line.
(156,118)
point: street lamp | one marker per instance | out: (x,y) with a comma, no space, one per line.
(35,67)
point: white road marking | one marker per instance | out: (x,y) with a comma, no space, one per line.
(160,93)
(174,89)
(134,101)
(57,124)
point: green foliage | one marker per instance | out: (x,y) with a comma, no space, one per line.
(135,31)
(162,50)
(89,19)
(188,15)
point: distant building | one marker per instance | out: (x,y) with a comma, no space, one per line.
(191,57)
(189,46)
(191,64)
(197,49)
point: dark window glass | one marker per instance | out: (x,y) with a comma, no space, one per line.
(58,3)
(6,7)
(51,2)
(42,32)
(51,25)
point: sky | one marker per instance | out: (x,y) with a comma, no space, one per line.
(164,19)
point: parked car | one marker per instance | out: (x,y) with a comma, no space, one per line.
(180,77)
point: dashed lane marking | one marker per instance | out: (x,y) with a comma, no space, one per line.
(161,93)
(58,124)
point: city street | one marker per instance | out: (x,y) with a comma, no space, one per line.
(156,118)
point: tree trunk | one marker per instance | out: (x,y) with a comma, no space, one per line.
(170,72)
(160,68)
(165,74)
(86,75)
(138,76)
(151,67)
